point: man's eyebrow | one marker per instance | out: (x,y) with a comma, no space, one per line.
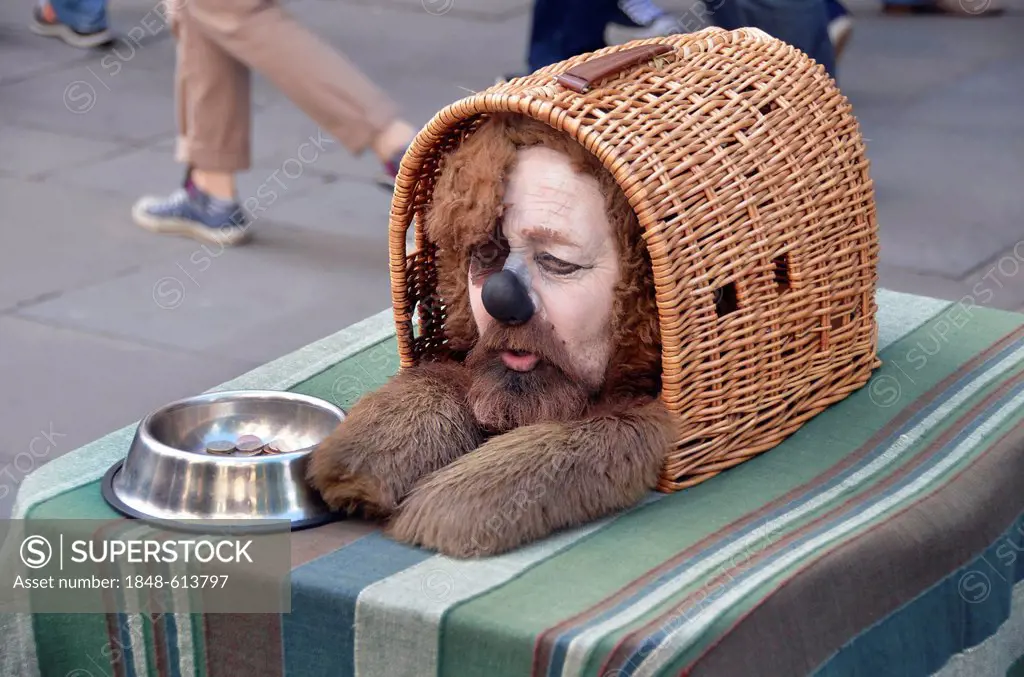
(545,235)
(541,234)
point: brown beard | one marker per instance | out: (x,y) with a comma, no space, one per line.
(503,399)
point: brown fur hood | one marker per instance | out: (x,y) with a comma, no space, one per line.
(466,206)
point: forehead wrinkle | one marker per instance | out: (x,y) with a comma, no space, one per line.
(547,203)
(552,207)
(557,198)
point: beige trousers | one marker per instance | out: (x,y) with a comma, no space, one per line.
(220,41)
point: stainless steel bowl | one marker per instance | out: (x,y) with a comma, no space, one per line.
(167,475)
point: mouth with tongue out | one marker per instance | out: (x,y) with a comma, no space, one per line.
(519,360)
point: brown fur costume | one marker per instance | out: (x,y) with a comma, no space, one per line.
(415,451)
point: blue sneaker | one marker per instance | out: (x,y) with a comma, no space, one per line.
(192,213)
(46,23)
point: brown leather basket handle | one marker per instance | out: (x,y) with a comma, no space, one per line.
(580,77)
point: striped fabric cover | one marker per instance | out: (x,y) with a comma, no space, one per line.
(886,537)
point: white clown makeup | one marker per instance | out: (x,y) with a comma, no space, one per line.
(556,238)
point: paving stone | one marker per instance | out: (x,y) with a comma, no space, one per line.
(997,283)
(893,64)
(129,175)
(165,145)
(281,131)
(946,203)
(477,9)
(396,48)
(991,99)
(57,239)
(30,152)
(353,208)
(54,378)
(144,47)
(141,45)
(899,279)
(935,234)
(152,171)
(286,288)
(25,53)
(82,100)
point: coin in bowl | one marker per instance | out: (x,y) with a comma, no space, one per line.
(277,447)
(220,448)
(248,448)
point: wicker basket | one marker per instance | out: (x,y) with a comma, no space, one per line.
(748,174)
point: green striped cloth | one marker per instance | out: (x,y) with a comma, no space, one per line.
(886,537)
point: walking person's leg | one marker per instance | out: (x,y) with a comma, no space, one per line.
(545,33)
(957,8)
(561,29)
(212,92)
(725,14)
(219,41)
(840,26)
(584,23)
(320,81)
(800,23)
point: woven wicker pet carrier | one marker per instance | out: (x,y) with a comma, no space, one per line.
(747,172)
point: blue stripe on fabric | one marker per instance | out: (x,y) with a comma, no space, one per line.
(653,641)
(319,633)
(173,657)
(563,641)
(124,633)
(971,603)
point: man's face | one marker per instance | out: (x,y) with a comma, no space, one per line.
(556,237)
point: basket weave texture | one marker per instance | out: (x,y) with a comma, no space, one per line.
(747,172)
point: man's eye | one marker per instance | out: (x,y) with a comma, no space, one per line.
(487,258)
(556,266)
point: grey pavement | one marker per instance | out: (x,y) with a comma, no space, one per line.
(101,322)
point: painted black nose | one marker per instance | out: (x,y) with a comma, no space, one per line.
(506,299)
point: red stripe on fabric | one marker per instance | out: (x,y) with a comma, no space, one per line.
(114,635)
(244,644)
(631,641)
(159,625)
(545,643)
(688,670)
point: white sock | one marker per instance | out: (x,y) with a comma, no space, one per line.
(643,12)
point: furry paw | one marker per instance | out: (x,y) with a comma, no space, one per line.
(459,513)
(343,471)
(532,481)
(492,500)
(415,424)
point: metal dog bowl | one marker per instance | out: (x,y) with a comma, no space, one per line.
(174,473)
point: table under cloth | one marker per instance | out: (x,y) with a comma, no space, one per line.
(886,537)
